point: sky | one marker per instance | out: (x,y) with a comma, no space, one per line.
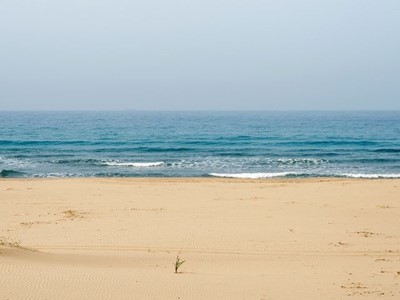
(199,55)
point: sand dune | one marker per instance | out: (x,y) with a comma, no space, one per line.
(241,239)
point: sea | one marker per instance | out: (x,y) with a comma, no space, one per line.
(363,144)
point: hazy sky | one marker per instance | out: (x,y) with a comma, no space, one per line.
(199,54)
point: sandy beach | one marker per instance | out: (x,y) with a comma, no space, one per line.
(241,239)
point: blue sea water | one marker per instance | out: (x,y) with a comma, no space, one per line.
(185,144)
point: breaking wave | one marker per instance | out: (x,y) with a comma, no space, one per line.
(134,164)
(10,173)
(253,175)
(368,176)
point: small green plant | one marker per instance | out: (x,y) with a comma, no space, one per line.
(178,263)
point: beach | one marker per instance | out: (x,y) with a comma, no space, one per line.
(104,238)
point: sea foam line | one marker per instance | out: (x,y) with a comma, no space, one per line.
(134,164)
(369,176)
(295,174)
(253,175)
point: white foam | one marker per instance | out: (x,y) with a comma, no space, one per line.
(371,176)
(57,175)
(134,164)
(252,175)
(303,161)
(14,162)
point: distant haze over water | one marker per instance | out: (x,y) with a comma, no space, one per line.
(183,144)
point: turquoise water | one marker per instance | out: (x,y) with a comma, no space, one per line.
(231,144)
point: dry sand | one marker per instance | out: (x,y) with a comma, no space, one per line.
(241,239)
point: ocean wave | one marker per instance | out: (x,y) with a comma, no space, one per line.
(99,162)
(15,162)
(59,175)
(367,176)
(254,175)
(226,163)
(374,160)
(76,161)
(10,173)
(134,164)
(330,143)
(142,149)
(300,161)
(303,175)
(202,163)
(387,150)
(42,142)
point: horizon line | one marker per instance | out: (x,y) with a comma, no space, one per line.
(200,110)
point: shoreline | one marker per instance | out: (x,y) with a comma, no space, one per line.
(202,178)
(245,176)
